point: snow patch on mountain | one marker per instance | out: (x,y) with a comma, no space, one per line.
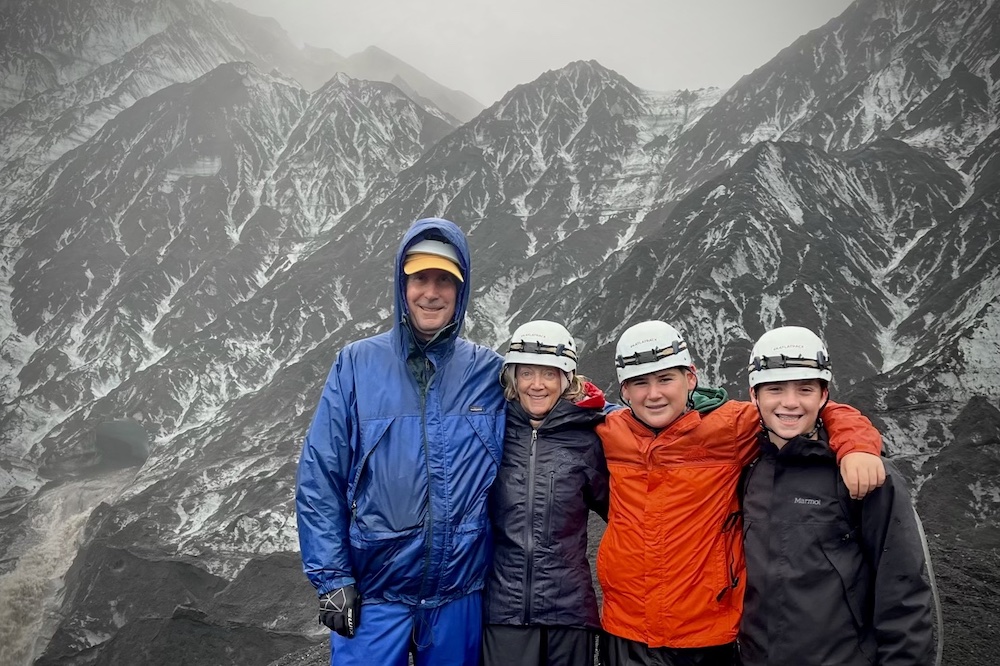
(207,165)
(980,349)
(493,305)
(775,178)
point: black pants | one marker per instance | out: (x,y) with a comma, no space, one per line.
(507,645)
(616,651)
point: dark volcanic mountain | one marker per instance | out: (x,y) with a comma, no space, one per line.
(892,68)
(110,53)
(125,264)
(191,253)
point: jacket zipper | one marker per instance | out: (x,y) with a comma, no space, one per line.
(729,527)
(529,541)
(428,545)
(360,475)
(547,526)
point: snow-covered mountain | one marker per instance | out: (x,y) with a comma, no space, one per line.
(121,265)
(213,323)
(123,51)
(883,68)
(195,258)
(375,64)
(46,44)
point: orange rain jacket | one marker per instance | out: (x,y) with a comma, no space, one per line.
(671,560)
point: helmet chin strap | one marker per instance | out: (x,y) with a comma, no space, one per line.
(690,398)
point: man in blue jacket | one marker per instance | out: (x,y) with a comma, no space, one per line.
(396,470)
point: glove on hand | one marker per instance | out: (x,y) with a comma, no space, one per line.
(340,610)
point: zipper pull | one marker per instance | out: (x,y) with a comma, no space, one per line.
(734,584)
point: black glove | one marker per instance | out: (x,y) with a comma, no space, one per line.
(340,610)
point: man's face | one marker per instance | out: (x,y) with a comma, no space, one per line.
(538,388)
(789,408)
(430,298)
(659,397)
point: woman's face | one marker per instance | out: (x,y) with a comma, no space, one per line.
(538,388)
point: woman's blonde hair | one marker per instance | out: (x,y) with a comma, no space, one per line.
(573,392)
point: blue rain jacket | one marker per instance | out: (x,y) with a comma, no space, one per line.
(394,477)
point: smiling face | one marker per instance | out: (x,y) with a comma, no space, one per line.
(789,408)
(658,398)
(538,388)
(430,299)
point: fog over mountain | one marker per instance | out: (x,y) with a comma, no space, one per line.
(196,215)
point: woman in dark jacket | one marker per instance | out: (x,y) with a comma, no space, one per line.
(541,608)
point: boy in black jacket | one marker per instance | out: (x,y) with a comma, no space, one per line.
(830,580)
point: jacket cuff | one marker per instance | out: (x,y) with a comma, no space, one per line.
(335,584)
(857,447)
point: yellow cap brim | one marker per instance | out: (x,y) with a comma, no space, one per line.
(421,262)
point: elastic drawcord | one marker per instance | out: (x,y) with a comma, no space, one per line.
(420,626)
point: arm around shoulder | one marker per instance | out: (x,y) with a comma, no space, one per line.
(850,430)
(857,444)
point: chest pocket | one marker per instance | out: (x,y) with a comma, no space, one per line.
(470,460)
(561,487)
(844,551)
(389,487)
(488,433)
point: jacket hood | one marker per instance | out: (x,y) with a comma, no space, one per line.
(799,447)
(434,228)
(707,398)
(593,398)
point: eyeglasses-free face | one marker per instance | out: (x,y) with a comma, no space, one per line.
(538,388)
(789,408)
(659,398)
(430,299)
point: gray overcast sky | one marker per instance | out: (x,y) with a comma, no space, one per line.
(486,48)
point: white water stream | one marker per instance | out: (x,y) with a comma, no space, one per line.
(30,594)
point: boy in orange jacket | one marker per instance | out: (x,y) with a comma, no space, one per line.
(671,561)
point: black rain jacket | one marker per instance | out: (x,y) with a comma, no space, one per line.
(830,580)
(549,481)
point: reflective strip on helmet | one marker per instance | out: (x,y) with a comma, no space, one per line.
(651,356)
(533,347)
(821,362)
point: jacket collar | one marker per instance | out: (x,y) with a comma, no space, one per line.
(799,447)
(563,414)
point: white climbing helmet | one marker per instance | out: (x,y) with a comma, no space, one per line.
(650,346)
(786,354)
(542,342)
